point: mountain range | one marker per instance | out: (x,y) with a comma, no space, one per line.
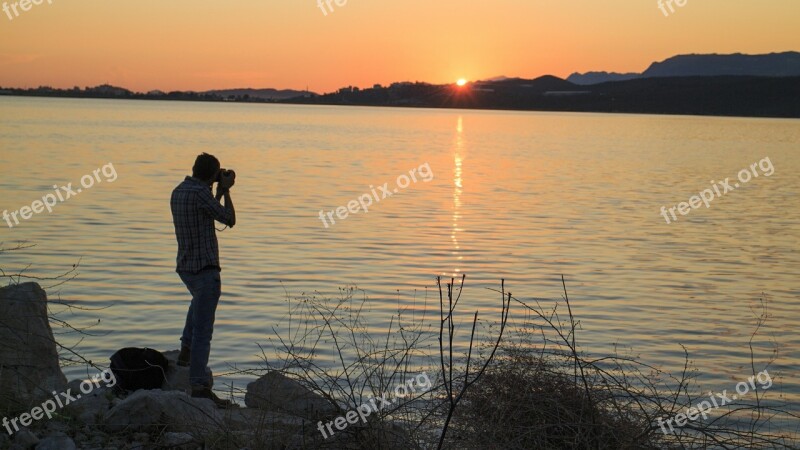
(786,64)
(726,95)
(721,85)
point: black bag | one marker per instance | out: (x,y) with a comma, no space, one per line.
(139,368)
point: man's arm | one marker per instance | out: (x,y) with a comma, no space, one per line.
(226,193)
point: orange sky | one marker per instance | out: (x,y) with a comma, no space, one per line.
(205,44)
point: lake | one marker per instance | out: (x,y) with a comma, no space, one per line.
(520,196)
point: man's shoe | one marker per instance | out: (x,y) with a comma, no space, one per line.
(206,392)
(183,357)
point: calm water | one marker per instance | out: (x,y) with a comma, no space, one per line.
(521,196)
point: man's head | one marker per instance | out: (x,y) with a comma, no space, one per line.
(206,168)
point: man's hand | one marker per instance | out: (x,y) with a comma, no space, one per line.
(226,180)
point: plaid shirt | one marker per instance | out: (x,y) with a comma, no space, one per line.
(194,210)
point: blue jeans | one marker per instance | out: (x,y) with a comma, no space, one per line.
(205,287)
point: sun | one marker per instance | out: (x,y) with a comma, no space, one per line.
(461,82)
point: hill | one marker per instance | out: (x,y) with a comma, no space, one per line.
(786,64)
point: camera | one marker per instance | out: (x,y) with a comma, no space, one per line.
(226,173)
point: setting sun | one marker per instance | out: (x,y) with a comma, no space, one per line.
(461,82)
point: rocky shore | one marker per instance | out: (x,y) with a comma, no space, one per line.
(279,411)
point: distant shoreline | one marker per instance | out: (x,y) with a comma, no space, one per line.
(721,96)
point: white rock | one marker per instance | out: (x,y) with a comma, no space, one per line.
(178,376)
(28,354)
(148,410)
(277,392)
(90,407)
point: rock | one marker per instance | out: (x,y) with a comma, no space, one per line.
(142,437)
(178,376)
(277,392)
(54,426)
(28,356)
(149,411)
(25,438)
(91,407)
(56,442)
(173,439)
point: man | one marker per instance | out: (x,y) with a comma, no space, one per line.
(194,211)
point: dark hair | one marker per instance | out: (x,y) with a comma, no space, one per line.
(205,167)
